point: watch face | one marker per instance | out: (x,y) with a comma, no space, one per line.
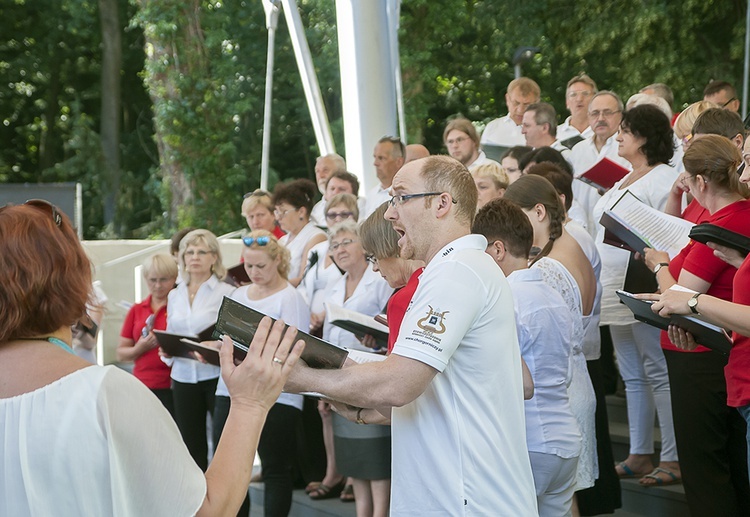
(692,302)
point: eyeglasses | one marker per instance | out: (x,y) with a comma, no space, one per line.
(686,140)
(200,253)
(372,259)
(260,241)
(47,207)
(730,100)
(401,199)
(603,113)
(256,193)
(579,93)
(337,245)
(459,140)
(339,215)
(149,326)
(279,214)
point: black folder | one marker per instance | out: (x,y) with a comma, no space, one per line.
(711,233)
(704,332)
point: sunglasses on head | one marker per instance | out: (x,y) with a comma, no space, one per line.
(260,241)
(256,193)
(46,207)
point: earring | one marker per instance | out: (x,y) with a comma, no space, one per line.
(212,269)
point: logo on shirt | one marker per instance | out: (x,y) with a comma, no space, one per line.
(433,321)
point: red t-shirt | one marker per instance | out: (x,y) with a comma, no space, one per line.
(737,371)
(699,259)
(695,213)
(149,368)
(397,306)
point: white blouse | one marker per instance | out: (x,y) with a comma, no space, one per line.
(369,298)
(95,442)
(182,318)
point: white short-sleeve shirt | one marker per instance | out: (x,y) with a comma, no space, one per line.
(503,131)
(460,447)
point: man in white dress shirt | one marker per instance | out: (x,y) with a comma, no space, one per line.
(539,126)
(578,94)
(452,387)
(324,167)
(388,157)
(462,141)
(605,114)
(506,131)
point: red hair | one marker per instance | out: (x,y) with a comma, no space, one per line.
(45,276)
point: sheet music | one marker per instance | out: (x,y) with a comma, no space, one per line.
(662,231)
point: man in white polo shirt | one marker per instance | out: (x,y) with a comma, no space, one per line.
(453,385)
(506,131)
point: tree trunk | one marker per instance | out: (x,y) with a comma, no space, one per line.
(111,105)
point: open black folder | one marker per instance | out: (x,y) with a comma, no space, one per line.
(240,323)
(173,345)
(711,233)
(704,332)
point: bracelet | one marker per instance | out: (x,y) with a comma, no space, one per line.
(360,420)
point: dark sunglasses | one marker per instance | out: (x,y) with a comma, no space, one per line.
(260,241)
(46,207)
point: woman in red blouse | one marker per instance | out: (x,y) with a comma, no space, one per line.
(137,341)
(710,435)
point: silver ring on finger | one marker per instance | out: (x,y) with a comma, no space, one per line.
(277,360)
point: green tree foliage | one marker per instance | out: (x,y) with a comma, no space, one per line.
(193,81)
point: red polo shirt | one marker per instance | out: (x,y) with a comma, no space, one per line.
(149,368)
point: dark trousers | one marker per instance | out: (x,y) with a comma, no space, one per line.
(710,435)
(165,396)
(604,496)
(278,452)
(191,404)
(221,411)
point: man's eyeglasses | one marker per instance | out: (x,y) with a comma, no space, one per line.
(603,113)
(730,100)
(333,216)
(336,245)
(260,241)
(401,199)
(579,93)
(372,259)
(459,140)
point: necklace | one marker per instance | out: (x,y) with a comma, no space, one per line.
(55,341)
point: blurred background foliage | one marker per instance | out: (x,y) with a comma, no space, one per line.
(193,76)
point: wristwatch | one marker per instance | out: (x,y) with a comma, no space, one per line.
(660,265)
(693,303)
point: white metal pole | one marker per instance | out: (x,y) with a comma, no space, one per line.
(309,79)
(394,15)
(368,88)
(272,18)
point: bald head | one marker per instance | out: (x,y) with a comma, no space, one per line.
(415,152)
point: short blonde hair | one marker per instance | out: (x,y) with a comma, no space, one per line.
(209,240)
(377,235)
(348,200)
(255,199)
(160,264)
(683,125)
(273,249)
(446,174)
(494,172)
(343,226)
